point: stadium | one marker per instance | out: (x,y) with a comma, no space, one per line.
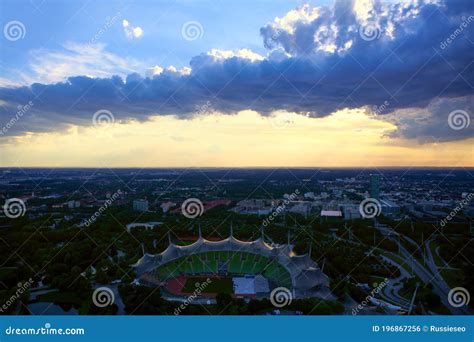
(239,268)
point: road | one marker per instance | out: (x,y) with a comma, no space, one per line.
(439,285)
(390,291)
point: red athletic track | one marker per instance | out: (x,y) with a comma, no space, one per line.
(175,285)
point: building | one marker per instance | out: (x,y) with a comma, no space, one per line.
(350,212)
(331,213)
(73,204)
(140,205)
(255,207)
(166,206)
(390,208)
(146,225)
(375,186)
(301,208)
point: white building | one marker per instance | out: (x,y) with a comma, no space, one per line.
(331,213)
(140,205)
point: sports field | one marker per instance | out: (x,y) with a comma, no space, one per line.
(216,285)
(230,262)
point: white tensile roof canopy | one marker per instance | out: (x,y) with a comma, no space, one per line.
(307,278)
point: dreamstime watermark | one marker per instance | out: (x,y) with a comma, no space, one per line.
(464,24)
(21,288)
(370,208)
(21,110)
(459,119)
(46,330)
(103,117)
(462,204)
(190,299)
(281,208)
(377,288)
(276,34)
(280,297)
(458,296)
(369,32)
(192,208)
(380,109)
(14,30)
(14,208)
(192,30)
(109,22)
(102,297)
(107,203)
(202,109)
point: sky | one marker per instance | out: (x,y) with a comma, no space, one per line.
(236,84)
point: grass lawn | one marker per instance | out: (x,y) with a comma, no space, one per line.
(184,243)
(398,260)
(439,263)
(217,285)
(452,277)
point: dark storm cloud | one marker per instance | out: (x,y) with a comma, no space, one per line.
(322,60)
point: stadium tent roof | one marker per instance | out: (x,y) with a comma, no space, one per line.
(307,278)
(261,284)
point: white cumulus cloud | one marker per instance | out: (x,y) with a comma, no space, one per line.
(133,32)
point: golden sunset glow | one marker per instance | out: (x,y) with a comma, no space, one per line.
(345,138)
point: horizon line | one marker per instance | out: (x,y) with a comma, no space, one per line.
(238,167)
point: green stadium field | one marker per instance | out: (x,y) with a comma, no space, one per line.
(232,263)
